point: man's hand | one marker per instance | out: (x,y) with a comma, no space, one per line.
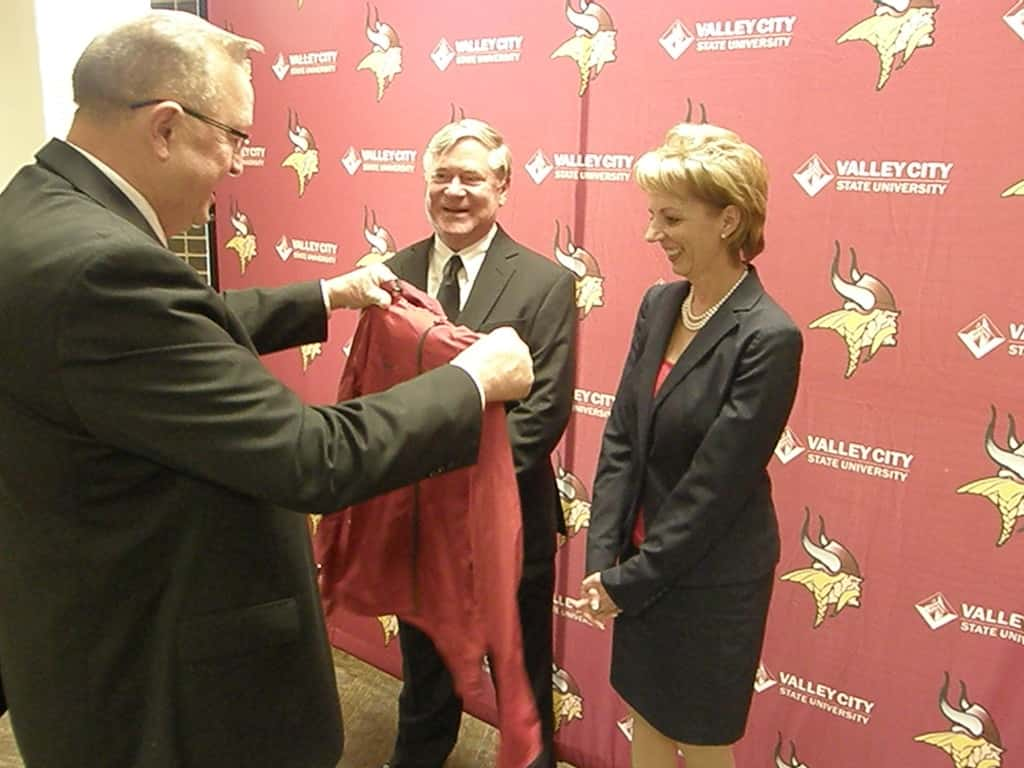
(500,363)
(360,288)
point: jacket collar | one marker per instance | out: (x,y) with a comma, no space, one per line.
(70,164)
(495,272)
(707,338)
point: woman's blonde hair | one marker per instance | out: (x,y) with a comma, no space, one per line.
(717,167)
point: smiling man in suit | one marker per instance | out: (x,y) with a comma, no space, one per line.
(484,280)
(158,602)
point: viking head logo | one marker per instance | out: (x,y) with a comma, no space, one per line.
(972,740)
(389,626)
(834,577)
(568,701)
(896,30)
(689,112)
(244,240)
(793,761)
(584,267)
(1006,488)
(310,352)
(382,244)
(385,58)
(593,43)
(304,158)
(1014,190)
(575,500)
(867,321)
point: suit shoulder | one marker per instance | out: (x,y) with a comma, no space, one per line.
(768,318)
(540,266)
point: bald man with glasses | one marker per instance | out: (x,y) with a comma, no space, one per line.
(158,602)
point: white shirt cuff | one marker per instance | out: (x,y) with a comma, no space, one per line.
(326,297)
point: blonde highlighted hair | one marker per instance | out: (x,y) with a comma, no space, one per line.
(717,167)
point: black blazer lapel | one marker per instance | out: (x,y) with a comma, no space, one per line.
(60,158)
(411,263)
(495,272)
(708,337)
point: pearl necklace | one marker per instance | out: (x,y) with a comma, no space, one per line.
(694,322)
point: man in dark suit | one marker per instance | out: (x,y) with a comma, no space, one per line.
(158,605)
(486,280)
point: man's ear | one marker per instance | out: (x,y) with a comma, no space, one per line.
(163,128)
(503,190)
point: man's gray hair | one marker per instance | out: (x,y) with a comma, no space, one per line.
(499,158)
(162,55)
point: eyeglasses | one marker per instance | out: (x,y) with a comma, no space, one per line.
(241,137)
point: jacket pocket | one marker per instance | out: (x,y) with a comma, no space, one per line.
(239,632)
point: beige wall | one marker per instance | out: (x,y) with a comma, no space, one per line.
(21,98)
(40,40)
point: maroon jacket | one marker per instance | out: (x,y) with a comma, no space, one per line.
(444,554)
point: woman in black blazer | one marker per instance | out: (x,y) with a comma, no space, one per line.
(683,538)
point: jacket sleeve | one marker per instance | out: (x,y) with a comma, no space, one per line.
(537,422)
(149,369)
(721,476)
(612,483)
(280,318)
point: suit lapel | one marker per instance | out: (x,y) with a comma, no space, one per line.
(662,321)
(708,337)
(495,272)
(411,264)
(64,160)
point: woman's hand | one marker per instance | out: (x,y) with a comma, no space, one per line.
(596,601)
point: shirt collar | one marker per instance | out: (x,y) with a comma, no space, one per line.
(469,254)
(133,195)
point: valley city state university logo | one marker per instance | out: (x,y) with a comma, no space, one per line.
(867,321)
(793,761)
(244,240)
(593,43)
(575,500)
(304,158)
(382,244)
(584,267)
(1006,489)
(568,700)
(972,740)
(834,577)
(385,60)
(896,30)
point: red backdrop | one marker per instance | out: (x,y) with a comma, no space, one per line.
(892,139)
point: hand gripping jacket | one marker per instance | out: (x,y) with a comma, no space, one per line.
(444,554)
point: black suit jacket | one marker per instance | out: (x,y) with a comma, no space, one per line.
(694,457)
(157,597)
(520,288)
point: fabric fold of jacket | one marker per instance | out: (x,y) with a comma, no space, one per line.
(444,554)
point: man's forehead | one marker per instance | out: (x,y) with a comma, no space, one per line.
(466,153)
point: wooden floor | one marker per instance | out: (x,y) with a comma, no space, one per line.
(368,702)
